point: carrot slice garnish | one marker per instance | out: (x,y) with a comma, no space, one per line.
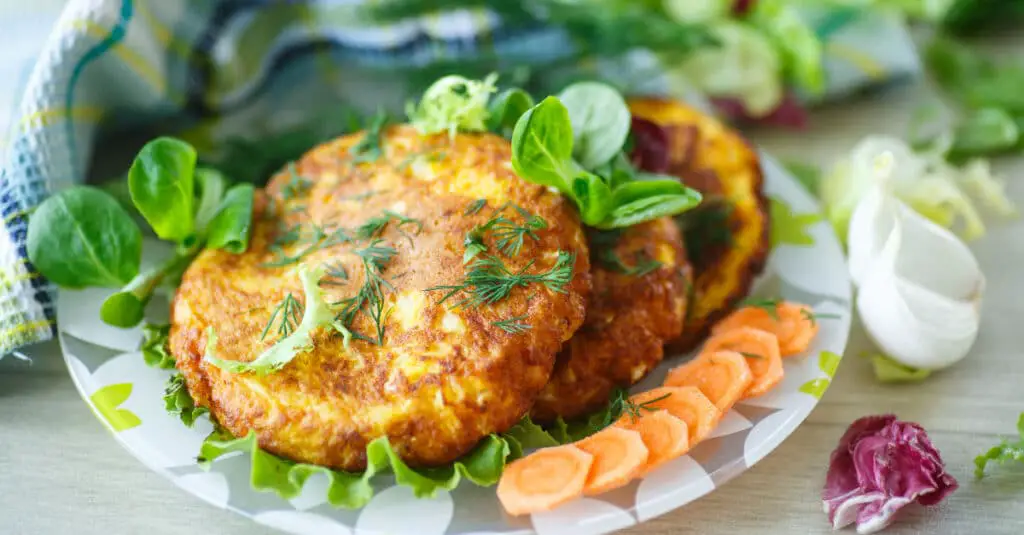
(665,436)
(544,479)
(794,324)
(761,350)
(684,402)
(619,456)
(722,376)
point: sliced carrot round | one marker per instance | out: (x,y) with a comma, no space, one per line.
(792,323)
(722,376)
(684,402)
(619,456)
(665,436)
(544,479)
(761,350)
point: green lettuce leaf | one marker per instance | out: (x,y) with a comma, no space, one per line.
(154,346)
(888,370)
(482,466)
(453,103)
(316,313)
(179,403)
(1004,452)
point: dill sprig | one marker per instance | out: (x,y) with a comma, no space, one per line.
(813,316)
(706,228)
(510,235)
(635,410)
(370,298)
(311,238)
(287,314)
(375,226)
(769,305)
(489,280)
(751,355)
(475,207)
(513,325)
(368,149)
(296,185)
(334,274)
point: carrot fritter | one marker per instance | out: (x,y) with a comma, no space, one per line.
(640,277)
(714,159)
(433,377)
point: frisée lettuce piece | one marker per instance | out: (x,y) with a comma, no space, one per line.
(1005,452)
(453,104)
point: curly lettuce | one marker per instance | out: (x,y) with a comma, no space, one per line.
(453,104)
(178,402)
(154,346)
(1003,453)
(316,313)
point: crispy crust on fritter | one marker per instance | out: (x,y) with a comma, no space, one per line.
(444,378)
(714,159)
(629,319)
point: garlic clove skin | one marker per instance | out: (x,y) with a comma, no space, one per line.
(920,292)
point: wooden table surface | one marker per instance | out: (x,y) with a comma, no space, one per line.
(61,472)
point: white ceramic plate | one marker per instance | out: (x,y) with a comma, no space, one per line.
(806,265)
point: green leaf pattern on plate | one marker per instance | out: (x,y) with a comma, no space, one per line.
(789,228)
(107,401)
(828,362)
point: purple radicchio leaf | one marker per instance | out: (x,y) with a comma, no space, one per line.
(881,465)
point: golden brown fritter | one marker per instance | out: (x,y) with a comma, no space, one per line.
(443,377)
(715,160)
(630,317)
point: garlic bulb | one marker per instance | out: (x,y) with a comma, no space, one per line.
(920,287)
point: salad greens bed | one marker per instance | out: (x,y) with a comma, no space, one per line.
(576,143)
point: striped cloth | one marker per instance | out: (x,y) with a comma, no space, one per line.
(218,71)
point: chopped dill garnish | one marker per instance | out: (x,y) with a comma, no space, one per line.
(751,355)
(768,305)
(334,274)
(510,235)
(621,405)
(287,314)
(311,237)
(370,298)
(375,226)
(368,149)
(489,280)
(513,325)
(296,185)
(363,196)
(475,206)
(813,316)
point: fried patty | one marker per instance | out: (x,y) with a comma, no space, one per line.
(630,317)
(727,238)
(441,377)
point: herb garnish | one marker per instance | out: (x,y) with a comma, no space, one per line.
(287,314)
(489,280)
(813,316)
(751,355)
(314,237)
(622,405)
(513,325)
(297,184)
(509,234)
(768,305)
(370,297)
(368,149)
(334,274)
(475,207)
(374,226)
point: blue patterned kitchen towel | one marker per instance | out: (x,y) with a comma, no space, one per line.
(223,72)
